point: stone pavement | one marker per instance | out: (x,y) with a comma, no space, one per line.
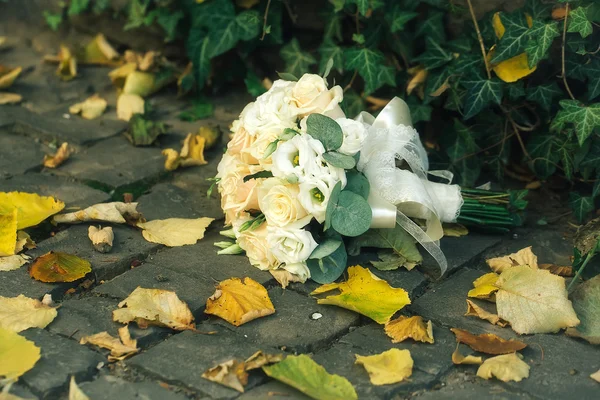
(105,166)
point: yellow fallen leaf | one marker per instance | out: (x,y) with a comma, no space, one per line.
(98,51)
(8,233)
(24,241)
(192,153)
(102,238)
(513,69)
(59,267)
(418,76)
(302,373)
(67,64)
(507,367)
(155,307)
(484,286)
(391,366)
(415,328)
(144,61)
(10,263)
(116,212)
(534,301)
(238,301)
(8,76)
(75,393)
(10,98)
(62,154)
(2,40)
(596,376)
(91,108)
(31,208)
(488,342)
(20,313)
(473,310)
(17,354)
(458,358)
(175,232)
(522,257)
(231,373)
(366,294)
(455,230)
(128,105)
(120,348)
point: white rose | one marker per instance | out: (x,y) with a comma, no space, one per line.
(354,136)
(310,95)
(254,242)
(314,195)
(290,246)
(271,113)
(278,200)
(299,269)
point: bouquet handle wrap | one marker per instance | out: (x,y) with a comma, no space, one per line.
(400,194)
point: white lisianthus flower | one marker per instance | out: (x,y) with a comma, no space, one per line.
(299,156)
(254,242)
(278,200)
(314,195)
(299,269)
(310,95)
(354,136)
(290,246)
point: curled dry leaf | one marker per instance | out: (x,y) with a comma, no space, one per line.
(24,241)
(8,233)
(238,301)
(155,307)
(175,232)
(488,342)
(484,287)
(67,64)
(587,236)
(10,98)
(259,359)
(59,267)
(366,294)
(586,302)
(507,367)
(31,208)
(10,263)
(391,366)
(415,328)
(8,76)
(144,61)
(455,230)
(17,354)
(192,153)
(128,105)
(565,271)
(98,51)
(143,132)
(458,358)
(75,393)
(102,238)
(20,313)
(418,76)
(91,108)
(473,310)
(522,257)
(120,349)
(116,212)
(302,373)
(284,277)
(129,80)
(62,154)
(534,301)
(596,376)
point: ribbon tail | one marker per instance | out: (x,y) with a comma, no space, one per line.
(431,247)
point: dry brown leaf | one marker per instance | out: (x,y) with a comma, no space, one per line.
(473,310)
(120,349)
(155,307)
(284,277)
(414,327)
(10,98)
(62,154)
(418,77)
(24,241)
(458,358)
(67,64)
(238,301)
(522,257)
(20,313)
(8,75)
(10,263)
(488,342)
(258,359)
(116,212)
(102,238)
(91,108)
(174,232)
(128,105)
(596,376)
(246,3)
(559,12)
(565,271)
(455,230)
(507,367)
(192,153)
(439,91)
(484,287)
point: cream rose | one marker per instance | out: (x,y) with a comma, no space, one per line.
(236,195)
(254,242)
(299,269)
(271,113)
(310,95)
(290,246)
(278,200)
(241,143)
(354,135)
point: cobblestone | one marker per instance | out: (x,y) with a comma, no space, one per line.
(24,154)
(273,390)
(108,387)
(14,283)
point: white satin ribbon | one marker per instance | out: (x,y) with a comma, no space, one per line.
(397,194)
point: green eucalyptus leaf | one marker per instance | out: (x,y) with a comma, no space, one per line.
(325,248)
(332,204)
(330,267)
(339,160)
(357,183)
(326,130)
(352,215)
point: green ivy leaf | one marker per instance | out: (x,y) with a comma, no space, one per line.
(362,5)
(537,9)
(249,23)
(592,71)
(198,48)
(544,158)
(592,158)
(333,27)
(434,55)
(516,90)
(579,22)
(516,36)
(470,64)
(201,109)
(325,130)
(419,111)
(480,94)
(370,66)
(297,62)
(433,27)
(352,104)
(582,206)
(584,118)
(544,94)
(254,85)
(339,160)
(53,20)
(434,81)
(541,38)
(143,132)
(399,17)
(169,21)
(352,215)
(460,152)
(331,51)
(137,14)
(77,7)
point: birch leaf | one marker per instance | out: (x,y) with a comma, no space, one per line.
(11,263)
(8,233)
(20,313)
(128,105)
(17,354)
(488,342)
(31,208)
(231,373)
(192,153)
(10,98)
(8,76)
(522,257)
(534,301)
(75,393)
(507,367)
(59,267)
(366,294)
(586,302)
(116,212)
(61,155)
(238,301)
(596,376)
(473,310)
(391,366)
(484,286)
(120,348)
(415,328)
(458,358)
(155,307)
(175,232)
(91,108)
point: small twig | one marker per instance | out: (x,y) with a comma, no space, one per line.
(378,103)
(356,21)
(589,256)
(515,128)
(293,16)
(501,142)
(564,36)
(349,85)
(264,30)
(480,39)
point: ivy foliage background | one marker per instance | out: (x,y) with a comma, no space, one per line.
(517,95)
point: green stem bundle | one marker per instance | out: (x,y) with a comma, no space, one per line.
(493,211)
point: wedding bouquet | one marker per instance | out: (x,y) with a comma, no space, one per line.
(299,181)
